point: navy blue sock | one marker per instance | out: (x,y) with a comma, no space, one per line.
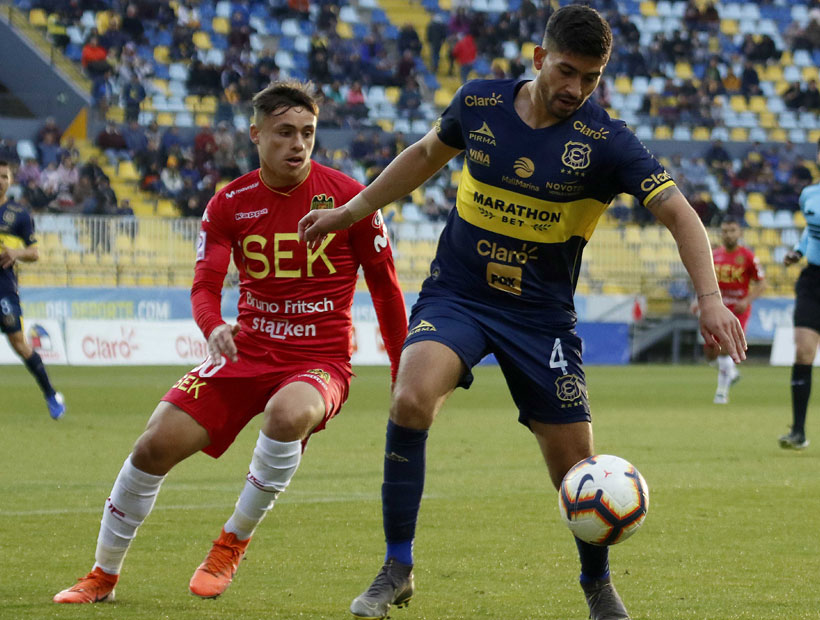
(594,561)
(37,368)
(404,457)
(801,390)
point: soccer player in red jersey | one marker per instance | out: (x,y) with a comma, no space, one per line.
(288,356)
(741,280)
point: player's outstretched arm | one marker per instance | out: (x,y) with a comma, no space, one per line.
(718,324)
(406,172)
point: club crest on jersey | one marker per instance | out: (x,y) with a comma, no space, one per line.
(321,201)
(8,217)
(576,155)
(322,375)
(568,388)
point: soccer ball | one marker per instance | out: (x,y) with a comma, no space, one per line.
(603,499)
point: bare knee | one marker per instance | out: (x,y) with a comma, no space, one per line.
(153,454)
(294,422)
(411,408)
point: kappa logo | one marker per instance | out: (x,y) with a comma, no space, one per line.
(423,326)
(483,134)
(249,215)
(576,155)
(322,201)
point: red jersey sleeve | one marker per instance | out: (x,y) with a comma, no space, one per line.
(388,301)
(213,253)
(371,245)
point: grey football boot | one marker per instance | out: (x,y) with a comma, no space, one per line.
(392,586)
(603,600)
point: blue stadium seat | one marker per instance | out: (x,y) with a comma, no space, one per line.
(73,52)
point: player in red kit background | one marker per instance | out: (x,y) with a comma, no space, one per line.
(741,280)
(287,357)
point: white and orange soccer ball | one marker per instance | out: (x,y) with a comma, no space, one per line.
(603,499)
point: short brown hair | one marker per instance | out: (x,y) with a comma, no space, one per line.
(279,97)
(578,30)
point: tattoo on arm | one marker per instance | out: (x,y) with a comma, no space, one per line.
(661,196)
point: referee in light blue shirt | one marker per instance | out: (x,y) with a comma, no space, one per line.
(806,315)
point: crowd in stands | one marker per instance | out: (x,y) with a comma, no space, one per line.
(118,56)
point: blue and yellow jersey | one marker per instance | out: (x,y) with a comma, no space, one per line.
(810,239)
(529,199)
(16,231)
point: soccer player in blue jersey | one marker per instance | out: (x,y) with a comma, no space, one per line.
(806,314)
(542,164)
(17,243)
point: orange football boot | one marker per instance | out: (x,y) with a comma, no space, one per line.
(215,574)
(96,587)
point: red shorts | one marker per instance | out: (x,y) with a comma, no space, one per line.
(224,405)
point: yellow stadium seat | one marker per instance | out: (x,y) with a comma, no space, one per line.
(649,9)
(814,136)
(38,18)
(115,113)
(167,208)
(443,97)
(663,132)
(810,73)
(386,124)
(799,219)
(165,119)
(729,27)
(757,104)
(127,171)
(701,134)
(751,218)
(683,70)
(739,134)
(756,201)
(738,103)
(344,30)
(773,73)
(161,54)
(786,58)
(221,25)
(202,40)
(203,120)
(527,50)
(102,19)
(192,103)
(768,120)
(623,84)
(207,104)
(392,94)
(161,85)
(503,63)
(778,135)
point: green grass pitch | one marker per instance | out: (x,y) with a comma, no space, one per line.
(733,530)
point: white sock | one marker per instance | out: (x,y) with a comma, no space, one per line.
(131,500)
(272,467)
(726,372)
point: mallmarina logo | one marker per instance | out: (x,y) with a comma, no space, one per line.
(523,167)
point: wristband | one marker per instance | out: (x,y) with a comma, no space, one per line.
(359,208)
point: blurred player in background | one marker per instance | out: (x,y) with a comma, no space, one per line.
(288,356)
(541,165)
(806,314)
(17,243)
(741,280)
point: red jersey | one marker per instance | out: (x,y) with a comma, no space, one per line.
(735,270)
(294,301)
